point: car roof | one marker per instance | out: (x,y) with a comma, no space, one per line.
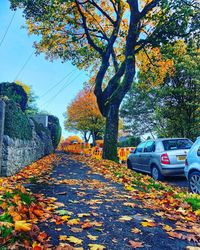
(164,139)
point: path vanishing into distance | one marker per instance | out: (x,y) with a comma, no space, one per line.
(100,213)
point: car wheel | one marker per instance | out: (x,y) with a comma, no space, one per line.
(129,165)
(194,182)
(155,173)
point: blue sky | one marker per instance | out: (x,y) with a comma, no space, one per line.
(41,74)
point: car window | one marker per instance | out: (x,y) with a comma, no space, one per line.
(140,147)
(175,144)
(198,152)
(149,147)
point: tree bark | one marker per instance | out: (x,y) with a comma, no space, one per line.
(93,138)
(111,133)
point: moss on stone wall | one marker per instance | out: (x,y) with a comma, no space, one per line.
(17,124)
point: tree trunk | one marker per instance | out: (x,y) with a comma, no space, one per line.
(93,139)
(111,133)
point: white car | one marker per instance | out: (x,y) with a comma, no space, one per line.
(192,167)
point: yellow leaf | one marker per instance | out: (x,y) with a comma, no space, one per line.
(96,247)
(74,240)
(73,222)
(148,224)
(129,188)
(197,212)
(63,237)
(65,217)
(22,225)
(167,228)
(83,215)
(125,218)
(92,237)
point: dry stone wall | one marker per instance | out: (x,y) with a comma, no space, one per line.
(17,153)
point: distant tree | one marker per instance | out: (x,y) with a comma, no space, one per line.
(83,115)
(106,36)
(137,112)
(31,104)
(130,141)
(167,103)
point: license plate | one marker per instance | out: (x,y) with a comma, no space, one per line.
(181,157)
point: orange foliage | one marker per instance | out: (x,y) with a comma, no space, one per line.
(83,113)
(84,106)
(73,139)
(153,61)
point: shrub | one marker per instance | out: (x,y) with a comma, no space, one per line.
(17,124)
(15,93)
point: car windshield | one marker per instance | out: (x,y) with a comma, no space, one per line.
(175,144)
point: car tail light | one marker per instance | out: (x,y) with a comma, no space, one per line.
(186,162)
(165,159)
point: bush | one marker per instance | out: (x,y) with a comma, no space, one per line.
(55,130)
(17,124)
(15,93)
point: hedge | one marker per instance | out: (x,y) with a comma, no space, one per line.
(17,124)
(14,92)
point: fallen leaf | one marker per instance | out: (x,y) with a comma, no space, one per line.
(136,244)
(83,215)
(76,230)
(96,247)
(175,235)
(63,237)
(22,226)
(73,222)
(148,224)
(168,228)
(74,240)
(92,237)
(125,218)
(135,230)
(86,225)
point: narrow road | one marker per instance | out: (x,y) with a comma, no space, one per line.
(97,207)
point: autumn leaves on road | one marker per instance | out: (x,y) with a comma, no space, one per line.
(106,206)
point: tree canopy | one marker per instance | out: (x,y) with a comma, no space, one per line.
(105,36)
(31,103)
(169,105)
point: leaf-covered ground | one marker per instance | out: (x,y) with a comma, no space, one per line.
(101,205)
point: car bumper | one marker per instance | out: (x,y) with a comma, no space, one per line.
(186,172)
(170,171)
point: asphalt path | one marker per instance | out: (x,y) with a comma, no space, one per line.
(105,202)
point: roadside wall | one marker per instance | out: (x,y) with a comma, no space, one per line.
(19,152)
(2,117)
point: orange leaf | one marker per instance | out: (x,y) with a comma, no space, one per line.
(136,244)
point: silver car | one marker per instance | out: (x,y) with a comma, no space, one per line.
(160,157)
(192,167)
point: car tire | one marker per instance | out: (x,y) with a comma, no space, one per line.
(129,165)
(194,182)
(156,174)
